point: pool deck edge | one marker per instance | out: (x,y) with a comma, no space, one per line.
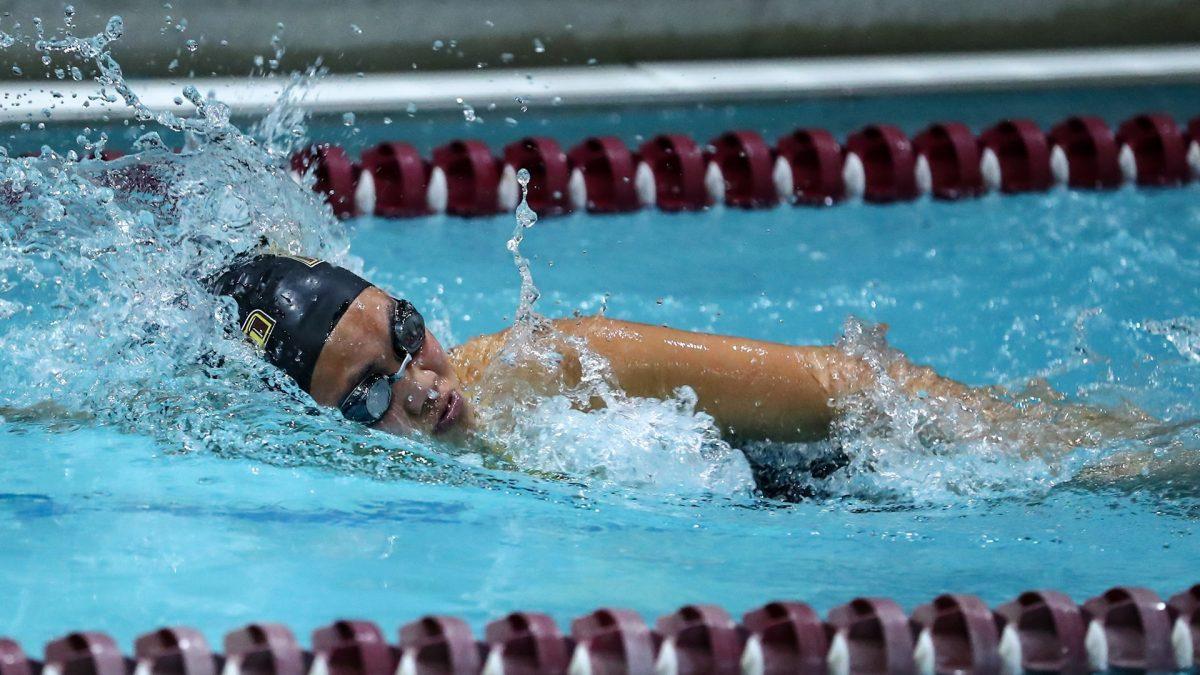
(642,83)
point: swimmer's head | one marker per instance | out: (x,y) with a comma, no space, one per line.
(347,343)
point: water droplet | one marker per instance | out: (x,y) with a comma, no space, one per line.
(538,46)
(115,28)
(521,101)
(438,44)
(354,28)
(348,119)
(507,57)
(411,109)
(467,110)
(191,45)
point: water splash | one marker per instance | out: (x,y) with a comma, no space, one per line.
(526,218)
(1183,333)
(104,318)
(586,426)
(103,269)
(893,443)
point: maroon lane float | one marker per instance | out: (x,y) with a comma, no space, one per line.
(1124,628)
(808,166)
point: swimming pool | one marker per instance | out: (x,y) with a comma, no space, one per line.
(142,505)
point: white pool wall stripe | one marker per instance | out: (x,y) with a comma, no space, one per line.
(663,82)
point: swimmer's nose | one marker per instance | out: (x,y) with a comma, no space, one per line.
(418,390)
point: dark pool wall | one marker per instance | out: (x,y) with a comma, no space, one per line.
(394,35)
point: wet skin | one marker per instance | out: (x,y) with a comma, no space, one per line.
(754,390)
(427,398)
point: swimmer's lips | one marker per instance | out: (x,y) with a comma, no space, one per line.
(451,414)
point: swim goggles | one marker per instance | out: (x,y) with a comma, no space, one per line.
(370,399)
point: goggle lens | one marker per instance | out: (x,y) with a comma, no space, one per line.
(370,400)
(408,330)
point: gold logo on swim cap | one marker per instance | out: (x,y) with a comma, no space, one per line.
(258,327)
(310,262)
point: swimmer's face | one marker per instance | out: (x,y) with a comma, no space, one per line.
(427,398)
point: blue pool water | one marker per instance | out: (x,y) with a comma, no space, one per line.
(159,492)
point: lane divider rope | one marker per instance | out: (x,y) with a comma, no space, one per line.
(672,172)
(1123,629)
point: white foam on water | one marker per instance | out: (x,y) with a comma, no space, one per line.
(548,425)
(108,262)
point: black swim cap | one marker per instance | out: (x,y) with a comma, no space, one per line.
(288,306)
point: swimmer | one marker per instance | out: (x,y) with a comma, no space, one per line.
(354,347)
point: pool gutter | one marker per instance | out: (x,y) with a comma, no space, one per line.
(642,83)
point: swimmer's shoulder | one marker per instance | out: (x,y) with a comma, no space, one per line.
(472,357)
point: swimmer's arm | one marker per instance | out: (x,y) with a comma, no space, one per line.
(753,389)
